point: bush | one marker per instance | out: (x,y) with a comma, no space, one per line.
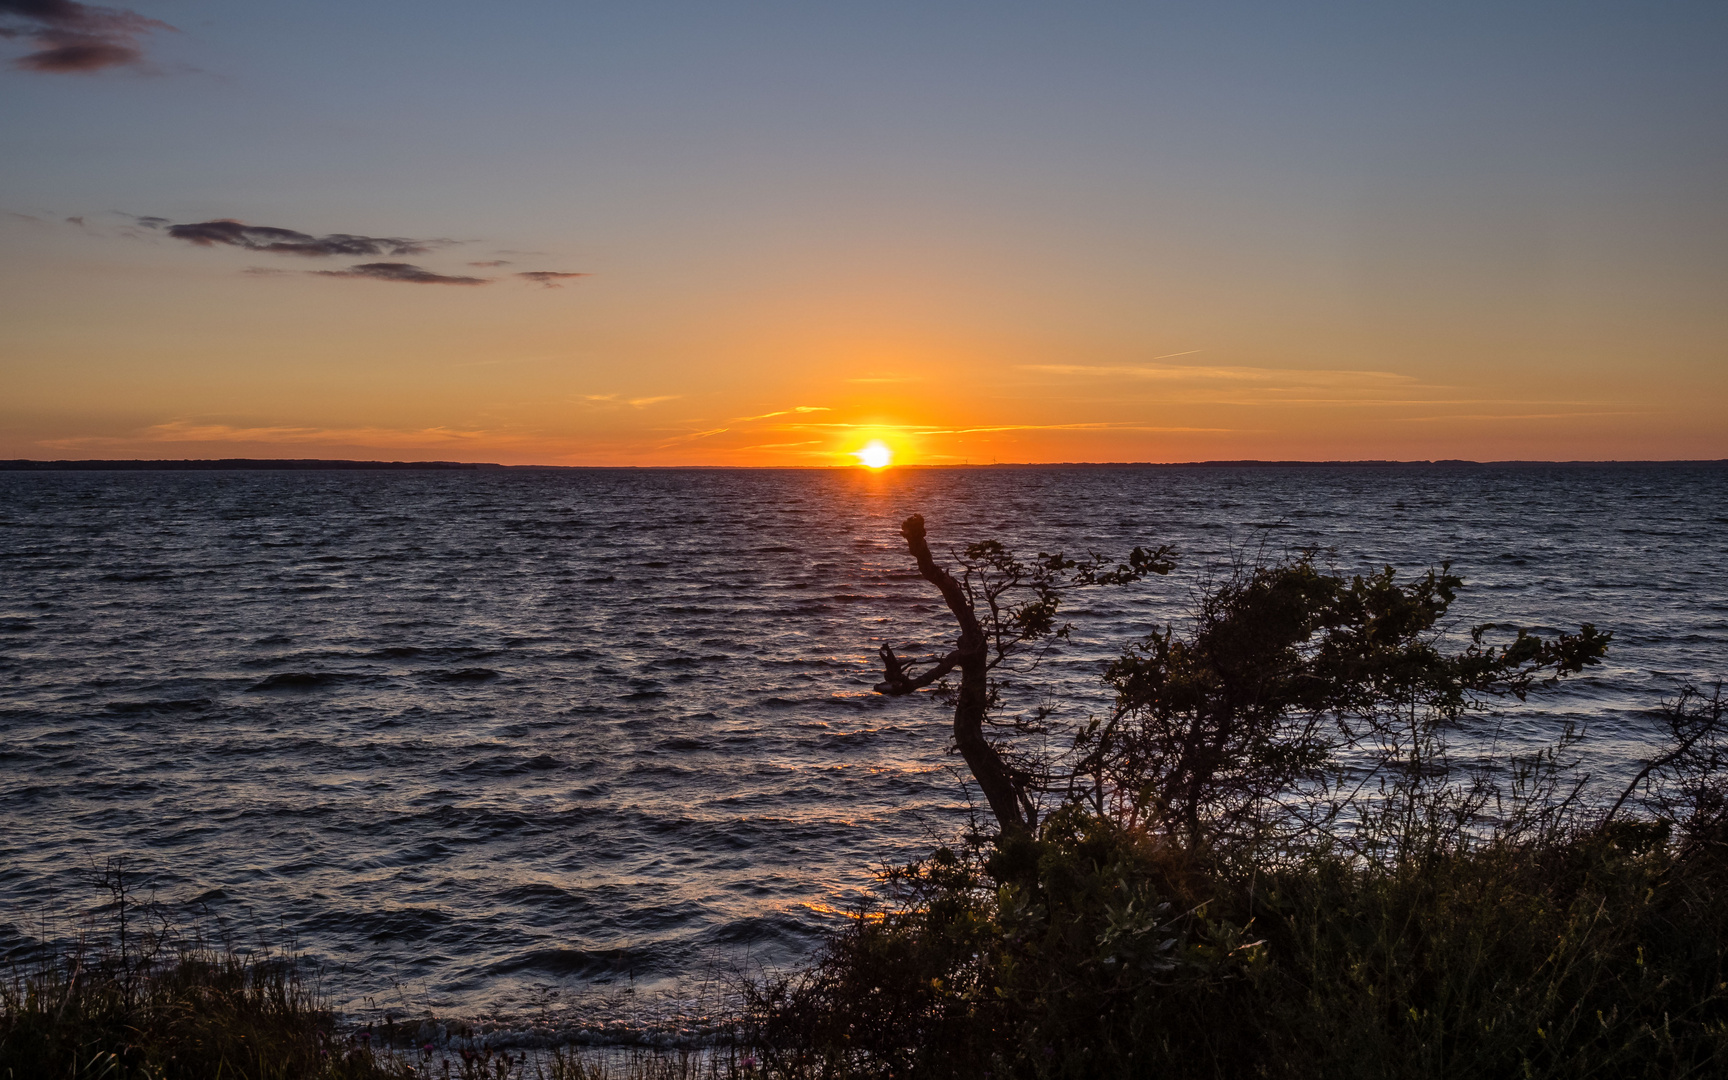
(1090,952)
(142,1000)
(1266,863)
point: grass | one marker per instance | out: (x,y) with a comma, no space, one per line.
(136,999)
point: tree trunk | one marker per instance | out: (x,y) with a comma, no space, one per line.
(1002,786)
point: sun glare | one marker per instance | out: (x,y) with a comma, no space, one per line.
(876,455)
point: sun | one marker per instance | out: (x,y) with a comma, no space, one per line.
(876,455)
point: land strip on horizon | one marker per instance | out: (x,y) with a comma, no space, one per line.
(336,464)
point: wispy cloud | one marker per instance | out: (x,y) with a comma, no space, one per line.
(188,431)
(274,240)
(1102,426)
(551,279)
(796,409)
(1449,417)
(227,232)
(934,429)
(72,38)
(1333,388)
(694,436)
(403,272)
(1243,385)
(193,431)
(1194,373)
(634,403)
(794,425)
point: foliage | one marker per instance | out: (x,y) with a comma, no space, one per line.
(1000,604)
(1267,863)
(1019,600)
(1284,667)
(1092,951)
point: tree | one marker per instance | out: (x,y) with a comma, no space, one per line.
(1284,666)
(1002,604)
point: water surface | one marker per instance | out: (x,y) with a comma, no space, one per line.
(473,738)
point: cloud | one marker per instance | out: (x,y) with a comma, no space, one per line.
(634,403)
(187,431)
(548,278)
(1450,417)
(72,38)
(693,436)
(1101,426)
(273,240)
(796,410)
(405,272)
(1233,375)
(230,233)
(782,412)
(191,431)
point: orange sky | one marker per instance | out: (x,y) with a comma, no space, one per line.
(1074,234)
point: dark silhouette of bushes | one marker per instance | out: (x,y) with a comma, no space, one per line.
(137,998)
(1270,861)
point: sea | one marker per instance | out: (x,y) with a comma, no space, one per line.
(570,750)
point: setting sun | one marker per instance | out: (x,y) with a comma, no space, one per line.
(876,455)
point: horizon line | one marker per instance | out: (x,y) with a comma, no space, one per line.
(338,464)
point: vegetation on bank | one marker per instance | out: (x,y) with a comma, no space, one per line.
(1094,951)
(1277,858)
(135,998)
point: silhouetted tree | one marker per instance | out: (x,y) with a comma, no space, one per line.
(1002,604)
(1283,666)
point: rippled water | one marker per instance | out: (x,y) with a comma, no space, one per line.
(481,736)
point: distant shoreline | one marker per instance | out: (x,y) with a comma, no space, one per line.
(339,465)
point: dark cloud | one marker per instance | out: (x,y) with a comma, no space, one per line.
(287,241)
(395,271)
(492,262)
(548,278)
(71,37)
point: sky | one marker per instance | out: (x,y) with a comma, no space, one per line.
(750,233)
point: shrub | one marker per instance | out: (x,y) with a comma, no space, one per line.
(1266,863)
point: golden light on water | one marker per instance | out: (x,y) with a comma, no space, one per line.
(875,455)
